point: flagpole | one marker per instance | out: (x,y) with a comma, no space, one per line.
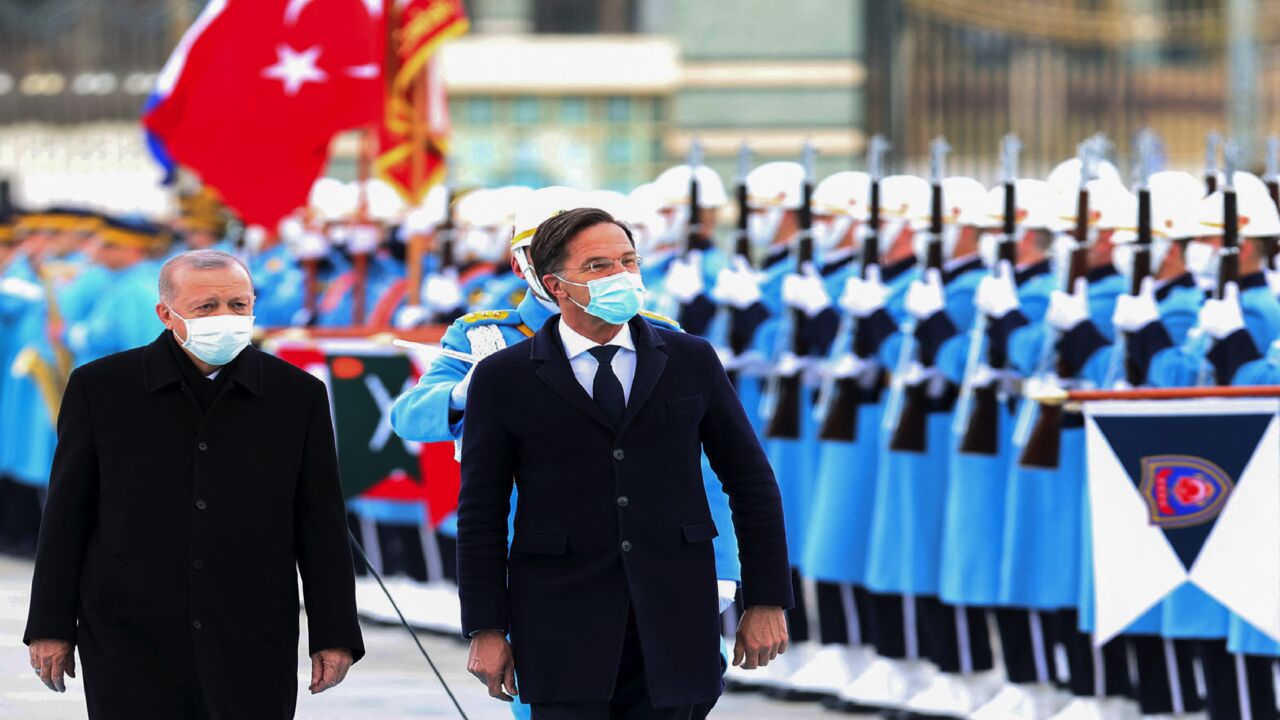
(360,260)
(418,138)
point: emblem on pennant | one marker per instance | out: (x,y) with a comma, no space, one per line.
(1183,490)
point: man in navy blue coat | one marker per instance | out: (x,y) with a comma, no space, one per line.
(608,592)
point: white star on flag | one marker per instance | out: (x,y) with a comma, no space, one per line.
(295,69)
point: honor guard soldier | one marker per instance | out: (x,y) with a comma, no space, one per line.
(686,273)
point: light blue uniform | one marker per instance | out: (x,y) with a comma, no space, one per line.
(337,305)
(1041,558)
(836,539)
(124,317)
(973,519)
(1190,612)
(280,285)
(27,421)
(906,528)
(502,290)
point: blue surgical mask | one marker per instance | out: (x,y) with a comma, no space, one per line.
(614,299)
(217,339)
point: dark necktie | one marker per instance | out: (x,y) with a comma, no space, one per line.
(606,389)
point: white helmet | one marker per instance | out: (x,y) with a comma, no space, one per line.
(424,219)
(384,203)
(1111,207)
(481,219)
(844,193)
(539,207)
(776,185)
(672,187)
(964,202)
(1032,204)
(1065,178)
(906,198)
(1175,200)
(1257,213)
(332,199)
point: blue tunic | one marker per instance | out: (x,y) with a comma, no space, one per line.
(1042,544)
(280,284)
(905,545)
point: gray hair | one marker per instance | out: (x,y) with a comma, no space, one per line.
(196,260)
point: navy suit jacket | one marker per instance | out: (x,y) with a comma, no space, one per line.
(610,520)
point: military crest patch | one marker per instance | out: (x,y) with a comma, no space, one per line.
(1183,490)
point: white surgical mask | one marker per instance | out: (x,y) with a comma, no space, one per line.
(1122,259)
(828,233)
(217,339)
(762,227)
(1202,260)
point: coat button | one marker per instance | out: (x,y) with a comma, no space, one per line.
(197,563)
(623,501)
(618,454)
(202,446)
(626,546)
(197,624)
(201,504)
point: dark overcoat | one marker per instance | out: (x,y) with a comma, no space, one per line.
(172,541)
(610,520)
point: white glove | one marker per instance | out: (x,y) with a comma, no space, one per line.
(311,246)
(849,365)
(411,316)
(925,297)
(737,285)
(1067,311)
(1134,312)
(684,277)
(458,395)
(1221,317)
(805,291)
(442,292)
(1273,276)
(21,289)
(997,295)
(861,297)
(363,240)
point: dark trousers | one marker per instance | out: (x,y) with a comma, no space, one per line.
(899,626)
(957,639)
(1166,675)
(1236,686)
(1027,638)
(630,699)
(844,614)
(1095,672)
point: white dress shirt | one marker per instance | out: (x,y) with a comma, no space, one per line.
(584,363)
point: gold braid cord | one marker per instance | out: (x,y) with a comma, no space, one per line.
(29,363)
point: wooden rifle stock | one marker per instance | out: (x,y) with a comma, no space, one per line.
(981,434)
(1044,445)
(785,422)
(841,421)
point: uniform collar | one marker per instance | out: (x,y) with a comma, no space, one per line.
(532,313)
(576,344)
(1253,280)
(1101,273)
(160,368)
(889,272)
(960,266)
(837,260)
(1036,269)
(1166,288)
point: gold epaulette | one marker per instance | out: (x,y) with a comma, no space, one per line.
(475,317)
(660,319)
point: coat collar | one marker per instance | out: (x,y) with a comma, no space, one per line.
(548,350)
(160,369)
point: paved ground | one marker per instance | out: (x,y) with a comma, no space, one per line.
(393,681)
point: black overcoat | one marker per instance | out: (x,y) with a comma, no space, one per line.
(172,542)
(610,520)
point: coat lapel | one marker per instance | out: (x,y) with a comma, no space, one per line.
(650,361)
(558,375)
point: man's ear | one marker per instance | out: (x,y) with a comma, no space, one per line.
(552,285)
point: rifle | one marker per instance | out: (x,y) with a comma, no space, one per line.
(695,316)
(977,414)
(784,421)
(1229,255)
(1044,444)
(1271,245)
(1134,374)
(1212,142)
(907,414)
(839,400)
(733,320)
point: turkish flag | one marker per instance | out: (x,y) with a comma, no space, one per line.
(256,90)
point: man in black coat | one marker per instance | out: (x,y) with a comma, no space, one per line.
(194,478)
(609,590)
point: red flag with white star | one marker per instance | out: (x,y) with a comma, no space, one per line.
(256,90)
